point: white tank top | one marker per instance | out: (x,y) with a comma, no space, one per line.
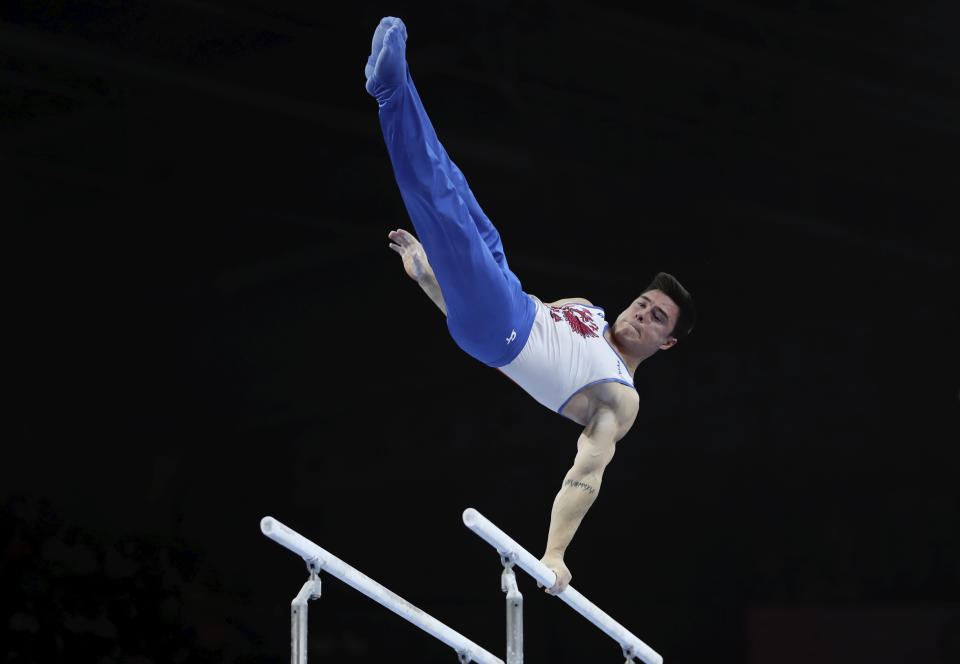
(566,353)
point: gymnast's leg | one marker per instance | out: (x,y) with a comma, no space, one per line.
(486,228)
(488,314)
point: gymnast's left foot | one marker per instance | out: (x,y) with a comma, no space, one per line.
(387,65)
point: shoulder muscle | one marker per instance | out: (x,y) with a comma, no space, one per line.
(615,417)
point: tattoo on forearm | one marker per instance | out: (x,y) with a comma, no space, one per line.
(579,485)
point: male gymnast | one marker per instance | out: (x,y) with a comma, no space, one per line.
(564,354)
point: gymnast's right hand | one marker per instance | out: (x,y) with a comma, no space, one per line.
(411,251)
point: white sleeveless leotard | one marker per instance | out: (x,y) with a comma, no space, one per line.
(566,353)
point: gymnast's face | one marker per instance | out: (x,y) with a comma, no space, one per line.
(646,325)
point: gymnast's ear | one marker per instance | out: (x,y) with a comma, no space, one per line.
(669,343)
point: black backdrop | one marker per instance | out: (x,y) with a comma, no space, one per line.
(206,327)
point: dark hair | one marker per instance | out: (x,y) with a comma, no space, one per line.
(672,288)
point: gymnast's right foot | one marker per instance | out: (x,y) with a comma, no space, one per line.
(387,65)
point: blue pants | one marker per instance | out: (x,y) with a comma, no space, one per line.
(488,314)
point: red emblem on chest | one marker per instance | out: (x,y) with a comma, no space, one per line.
(580,321)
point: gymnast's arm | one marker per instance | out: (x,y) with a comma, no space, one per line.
(580,487)
(416,265)
(418,268)
(569,300)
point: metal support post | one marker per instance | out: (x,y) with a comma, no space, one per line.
(508,584)
(298,614)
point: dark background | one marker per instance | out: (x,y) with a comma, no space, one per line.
(206,326)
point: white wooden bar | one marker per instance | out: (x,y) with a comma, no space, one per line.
(506,546)
(322,559)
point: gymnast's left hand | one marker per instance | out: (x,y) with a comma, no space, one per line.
(556,564)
